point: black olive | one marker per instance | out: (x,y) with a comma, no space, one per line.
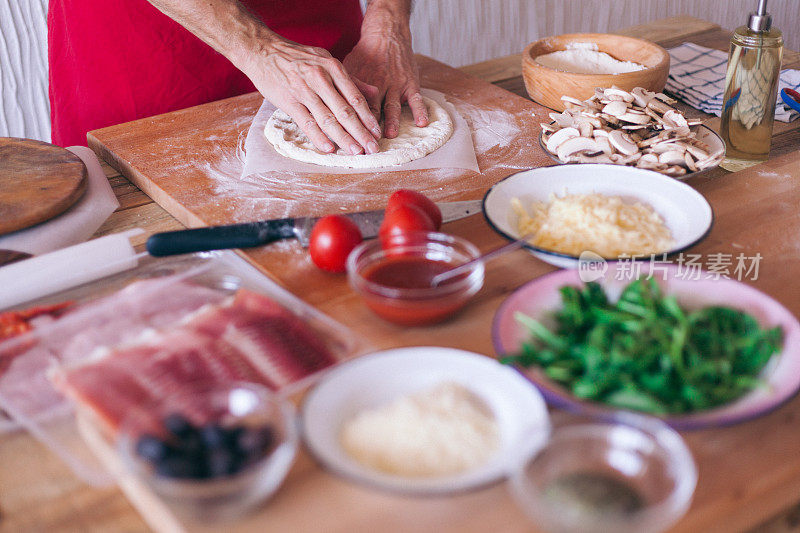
(151,448)
(222,462)
(179,425)
(182,467)
(214,435)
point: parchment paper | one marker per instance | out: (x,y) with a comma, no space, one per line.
(77,223)
(261,157)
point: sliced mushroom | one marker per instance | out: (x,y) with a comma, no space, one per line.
(571,100)
(673,157)
(574,145)
(650,158)
(617,93)
(589,158)
(696,151)
(658,106)
(559,137)
(590,119)
(628,159)
(674,171)
(604,144)
(689,160)
(616,109)
(622,142)
(642,96)
(668,146)
(635,118)
(664,98)
(637,128)
(648,165)
(565,120)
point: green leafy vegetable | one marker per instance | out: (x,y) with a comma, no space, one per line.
(644,352)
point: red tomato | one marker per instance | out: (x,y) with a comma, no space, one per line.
(401,221)
(332,239)
(418,200)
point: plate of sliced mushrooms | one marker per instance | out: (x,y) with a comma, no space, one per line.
(637,128)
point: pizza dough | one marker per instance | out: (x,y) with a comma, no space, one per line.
(412,142)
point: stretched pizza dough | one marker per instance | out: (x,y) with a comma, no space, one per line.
(412,142)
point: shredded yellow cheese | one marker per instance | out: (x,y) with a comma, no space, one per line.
(605,225)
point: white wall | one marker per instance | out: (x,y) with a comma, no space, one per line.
(24,108)
(460,32)
(457,32)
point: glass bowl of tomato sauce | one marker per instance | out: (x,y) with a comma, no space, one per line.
(394,276)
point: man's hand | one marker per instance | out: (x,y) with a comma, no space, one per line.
(315,90)
(306,82)
(383,58)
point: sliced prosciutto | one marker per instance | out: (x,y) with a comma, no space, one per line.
(248,337)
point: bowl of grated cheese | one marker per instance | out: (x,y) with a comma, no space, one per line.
(423,420)
(592,211)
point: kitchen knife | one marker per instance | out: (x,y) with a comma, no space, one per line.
(250,234)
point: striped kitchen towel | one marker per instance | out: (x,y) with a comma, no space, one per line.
(697,77)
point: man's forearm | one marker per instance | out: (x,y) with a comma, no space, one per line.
(384,16)
(225,25)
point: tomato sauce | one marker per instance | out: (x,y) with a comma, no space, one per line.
(408,272)
(414,272)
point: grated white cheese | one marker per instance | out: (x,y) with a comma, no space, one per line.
(441,431)
(585,58)
(605,225)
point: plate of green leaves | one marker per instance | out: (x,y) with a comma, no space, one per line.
(689,347)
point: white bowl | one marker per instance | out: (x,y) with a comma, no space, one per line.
(380,378)
(684,210)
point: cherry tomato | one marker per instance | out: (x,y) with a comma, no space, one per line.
(332,239)
(418,200)
(401,221)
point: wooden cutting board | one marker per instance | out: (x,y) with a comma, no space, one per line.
(38,181)
(182,159)
(187,162)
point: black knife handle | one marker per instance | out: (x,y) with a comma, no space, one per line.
(245,235)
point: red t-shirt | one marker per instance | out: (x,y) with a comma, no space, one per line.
(112,61)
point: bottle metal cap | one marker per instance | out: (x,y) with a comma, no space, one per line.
(760,21)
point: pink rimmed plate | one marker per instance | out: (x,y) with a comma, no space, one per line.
(540,297)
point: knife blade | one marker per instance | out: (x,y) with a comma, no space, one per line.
(251,234)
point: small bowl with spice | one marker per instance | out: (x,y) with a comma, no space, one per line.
(574,64)
(396,278)
(632,475)
(211,454)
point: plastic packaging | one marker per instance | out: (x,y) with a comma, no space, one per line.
(27,362)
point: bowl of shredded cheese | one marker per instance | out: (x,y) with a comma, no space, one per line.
(423,420)
(595,211)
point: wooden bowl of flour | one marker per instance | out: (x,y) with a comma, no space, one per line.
(547,85)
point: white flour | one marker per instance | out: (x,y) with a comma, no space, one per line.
(584,58)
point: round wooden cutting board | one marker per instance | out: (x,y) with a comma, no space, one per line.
(37,182)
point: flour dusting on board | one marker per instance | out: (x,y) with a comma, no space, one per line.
(496,131)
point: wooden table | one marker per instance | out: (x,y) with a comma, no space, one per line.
(749,474)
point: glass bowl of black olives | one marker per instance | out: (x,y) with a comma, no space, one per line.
(211,453)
